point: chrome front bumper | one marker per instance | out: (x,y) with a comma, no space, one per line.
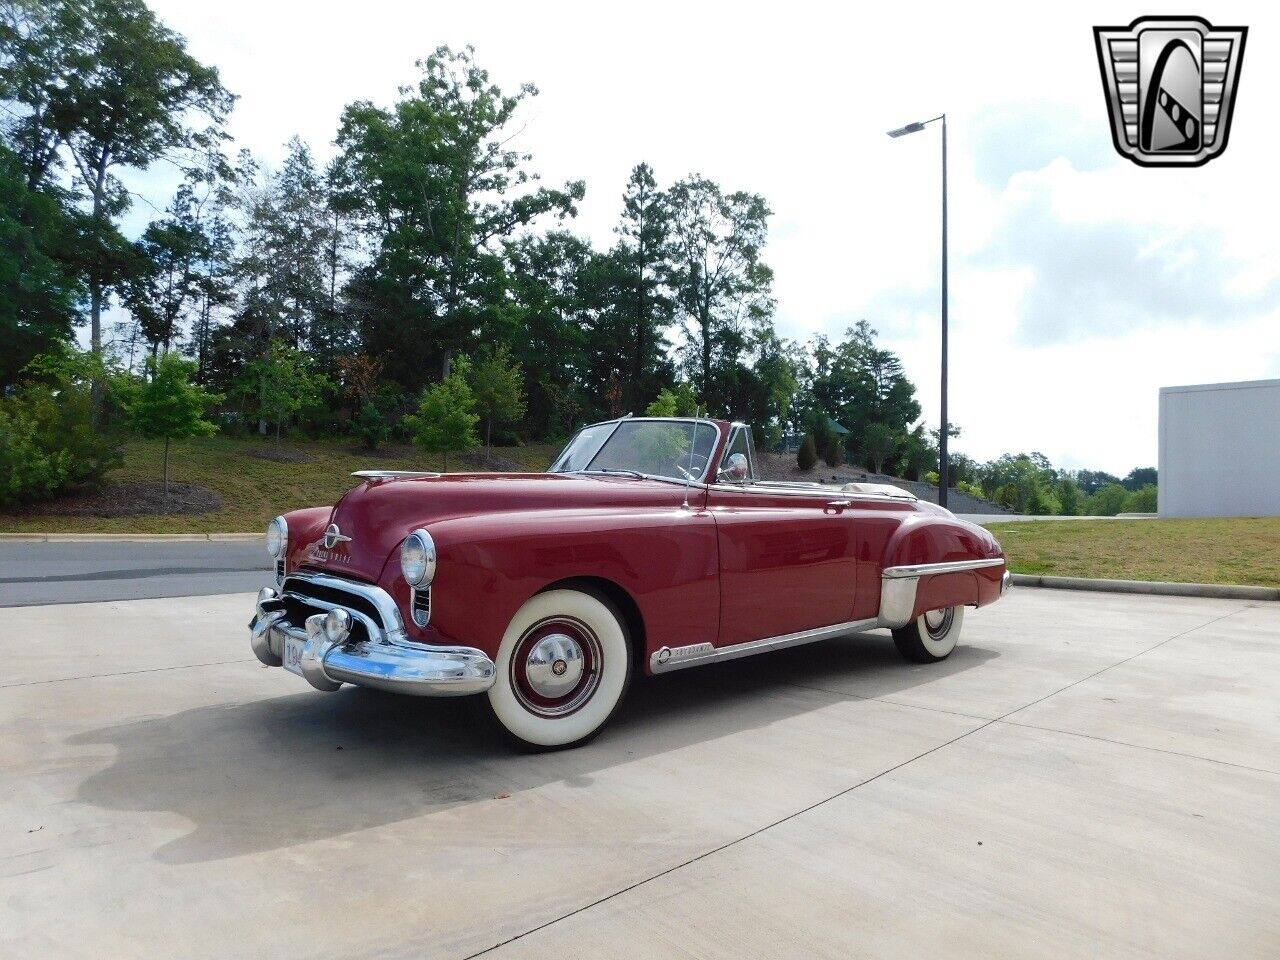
(383,658)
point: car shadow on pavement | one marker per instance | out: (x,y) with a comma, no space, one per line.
(267,774)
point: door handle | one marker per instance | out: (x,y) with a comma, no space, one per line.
(837,505)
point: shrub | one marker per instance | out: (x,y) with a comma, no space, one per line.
(27,471)
(972,489)
(1107,502)
(444,421)
(371,426)
(1142,500)
(833,452)
(48,443)
(807,455)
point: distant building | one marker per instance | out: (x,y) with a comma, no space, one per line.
(1220,450)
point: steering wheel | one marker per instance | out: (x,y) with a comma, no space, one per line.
(699,464)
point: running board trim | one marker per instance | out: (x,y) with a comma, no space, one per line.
(666,659)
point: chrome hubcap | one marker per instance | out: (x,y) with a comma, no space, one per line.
(938,622)
(554,666)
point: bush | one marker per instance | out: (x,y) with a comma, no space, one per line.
(807,455)
(833,452)
(1107,502)
(48,443)
(371,426)
(972,489)
(27,471)
(1142,500)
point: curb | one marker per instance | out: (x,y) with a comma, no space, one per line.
(1217,591)
(128,537)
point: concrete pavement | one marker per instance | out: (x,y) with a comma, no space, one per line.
(1088,775)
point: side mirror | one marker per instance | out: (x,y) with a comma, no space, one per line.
(735,469)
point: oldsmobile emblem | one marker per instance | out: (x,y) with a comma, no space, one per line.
(1170,84)
(333,536)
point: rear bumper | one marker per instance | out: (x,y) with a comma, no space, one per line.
(382,659)
(899,587)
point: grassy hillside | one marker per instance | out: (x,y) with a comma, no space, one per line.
(1242,550)
(253,489)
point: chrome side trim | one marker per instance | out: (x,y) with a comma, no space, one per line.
(930,569)
(667,659)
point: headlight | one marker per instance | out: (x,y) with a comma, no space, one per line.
(277,537)
(418,559)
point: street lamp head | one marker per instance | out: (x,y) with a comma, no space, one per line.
(909,128)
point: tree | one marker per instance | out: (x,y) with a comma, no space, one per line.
(38,290)
(1140,477)
(119,90)
(371,426)
(678,401)
(722,287)
(445,421)
(495,382)
(918,455)
(284,384)
(1106,502)
(807,455)
(833,453)
(643,256)
(1070,499)
(437,191)
(170,407)
(1142,500)
(879,443)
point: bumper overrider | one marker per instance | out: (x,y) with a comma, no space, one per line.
(369,648)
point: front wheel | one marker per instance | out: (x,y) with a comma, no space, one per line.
(931,636)
(562,669)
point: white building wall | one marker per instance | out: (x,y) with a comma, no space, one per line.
(1220,450)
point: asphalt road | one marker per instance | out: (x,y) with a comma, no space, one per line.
(1088,775)
(38,573)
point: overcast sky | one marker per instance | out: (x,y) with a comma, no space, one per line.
(1080,283)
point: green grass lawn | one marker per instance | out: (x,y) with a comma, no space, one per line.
(254,490)
(1243,550)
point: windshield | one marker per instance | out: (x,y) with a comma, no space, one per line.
(659,448)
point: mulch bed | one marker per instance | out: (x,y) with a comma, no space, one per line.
(279,454)
(138,498)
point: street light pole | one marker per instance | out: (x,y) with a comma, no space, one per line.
(942,434)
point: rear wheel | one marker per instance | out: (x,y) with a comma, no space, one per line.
(931,636)
(562,669)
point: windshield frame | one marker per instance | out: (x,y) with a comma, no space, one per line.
(701,478)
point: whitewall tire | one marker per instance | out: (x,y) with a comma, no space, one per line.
(931,636)
(562,669)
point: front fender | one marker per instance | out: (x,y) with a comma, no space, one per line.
(489,566)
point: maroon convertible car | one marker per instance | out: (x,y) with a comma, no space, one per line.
(649,545)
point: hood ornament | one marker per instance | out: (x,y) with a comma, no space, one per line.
(333,536)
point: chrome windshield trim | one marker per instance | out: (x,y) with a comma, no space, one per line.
(666,659)
(697,421)
(930,569)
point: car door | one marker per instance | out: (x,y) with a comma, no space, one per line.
(787,552)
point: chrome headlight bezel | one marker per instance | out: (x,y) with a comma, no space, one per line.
(277,538)
(418,559)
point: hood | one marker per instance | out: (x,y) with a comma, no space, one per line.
(380,513)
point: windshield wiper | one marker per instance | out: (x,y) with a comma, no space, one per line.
(626,473)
